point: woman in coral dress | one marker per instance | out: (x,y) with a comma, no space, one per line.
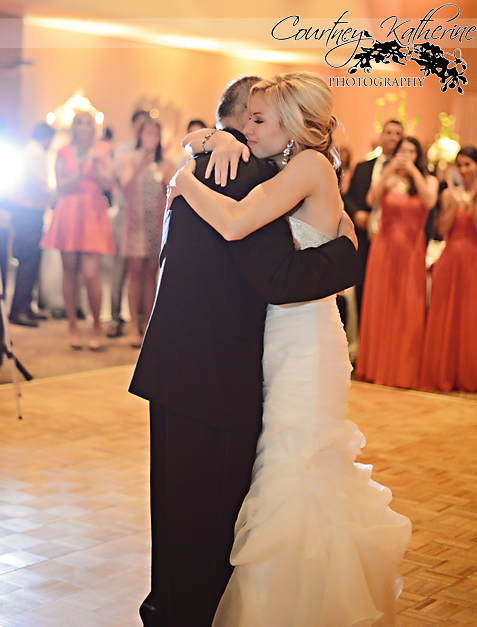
(81,228)
(144,177)
(450,346)
(394,294)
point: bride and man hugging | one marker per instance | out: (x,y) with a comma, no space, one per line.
(246,368)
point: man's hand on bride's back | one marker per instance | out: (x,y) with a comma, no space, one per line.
(346,227)
(226,153)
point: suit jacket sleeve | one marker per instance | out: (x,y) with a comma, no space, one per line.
(268,260)
(280,274)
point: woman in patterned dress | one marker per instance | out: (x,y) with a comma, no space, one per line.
(144,177)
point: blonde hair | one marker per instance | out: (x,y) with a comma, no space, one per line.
(79,113)
(303,103)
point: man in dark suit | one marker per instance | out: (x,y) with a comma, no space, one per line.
(27,206)
(200,368)
(355,199)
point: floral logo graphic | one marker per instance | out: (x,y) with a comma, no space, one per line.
(404,42)
(449,68)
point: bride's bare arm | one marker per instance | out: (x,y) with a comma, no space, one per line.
(226,152)
(192,142)
(308,174)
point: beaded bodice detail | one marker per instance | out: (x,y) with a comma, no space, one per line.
(305,235)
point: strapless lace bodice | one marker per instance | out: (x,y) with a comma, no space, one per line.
(305,235)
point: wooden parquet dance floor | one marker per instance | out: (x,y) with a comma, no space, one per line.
(74,528)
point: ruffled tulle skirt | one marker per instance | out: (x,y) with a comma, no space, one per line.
(316,543)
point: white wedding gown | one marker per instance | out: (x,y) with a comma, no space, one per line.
(316,544)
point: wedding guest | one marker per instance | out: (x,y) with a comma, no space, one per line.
(80,228)
(394,296)
(450,345)
(4,243)
(195,125)
(356,202)
(27,205)
(346,170)
(182,157)
(120,267)
(144,178)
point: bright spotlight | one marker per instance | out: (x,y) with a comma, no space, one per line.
(99,117)
(11,168)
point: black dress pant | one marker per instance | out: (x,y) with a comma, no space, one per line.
(3,272)
(200,475)
(363,249)
(27,227)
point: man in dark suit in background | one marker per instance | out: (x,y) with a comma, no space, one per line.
(355,199)
(200,368)
(27,206)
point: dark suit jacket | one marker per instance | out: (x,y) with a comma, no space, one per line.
(202,351)
(355,200)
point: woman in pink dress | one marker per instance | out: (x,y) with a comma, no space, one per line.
(394,294)
(450,346)
(80,228)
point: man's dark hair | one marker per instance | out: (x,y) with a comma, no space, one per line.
(196,123)
(228,99)
(137,114)
(42,131)
(393,121)
(108,134)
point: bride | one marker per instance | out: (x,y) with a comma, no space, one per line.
(316,544)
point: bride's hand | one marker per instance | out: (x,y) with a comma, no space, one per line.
(173,189)
(346,227)
(227,152)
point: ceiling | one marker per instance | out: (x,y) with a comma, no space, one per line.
(220,9)
(242,28)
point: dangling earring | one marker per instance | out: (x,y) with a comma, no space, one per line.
(288,152)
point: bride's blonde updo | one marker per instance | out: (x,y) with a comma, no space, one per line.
(303,103)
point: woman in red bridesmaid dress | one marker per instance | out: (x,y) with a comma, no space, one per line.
(450,346)
(394,294)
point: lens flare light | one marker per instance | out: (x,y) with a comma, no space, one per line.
(11,168)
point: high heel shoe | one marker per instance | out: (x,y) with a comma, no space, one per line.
(94,343)
(135,339)
(75,341)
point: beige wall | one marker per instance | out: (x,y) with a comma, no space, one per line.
(357,109)
(115,79)
(10,74)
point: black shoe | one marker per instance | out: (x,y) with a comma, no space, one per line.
(58,313)
(23,320)
(33,315)
(115,328)
(151,615)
